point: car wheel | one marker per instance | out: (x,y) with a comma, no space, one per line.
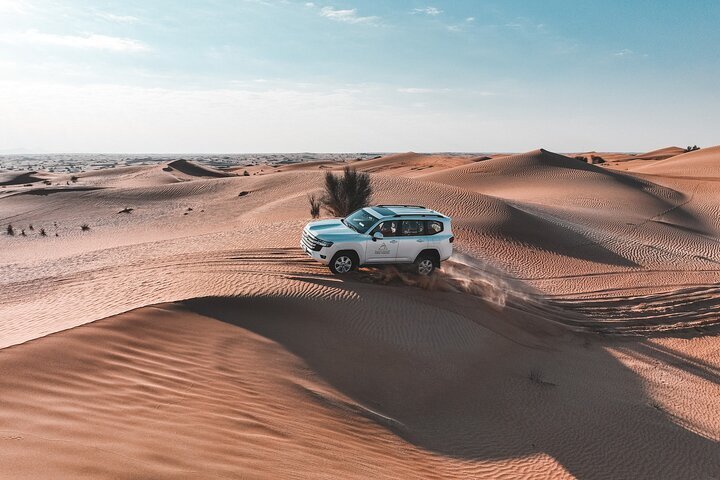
(342,263)
(424,266)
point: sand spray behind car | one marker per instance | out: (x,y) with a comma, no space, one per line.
(461,274)
(473,276)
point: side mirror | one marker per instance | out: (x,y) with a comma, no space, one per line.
(377,236)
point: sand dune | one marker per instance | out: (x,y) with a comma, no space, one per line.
(195,170)
(628,161)
(16,178)
(697,164)
(408,164)
(578,303)
(660,154)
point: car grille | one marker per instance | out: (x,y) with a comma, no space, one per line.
(310,242)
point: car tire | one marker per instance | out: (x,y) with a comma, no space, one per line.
(342,263)
(424,265)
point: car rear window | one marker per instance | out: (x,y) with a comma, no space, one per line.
(433,226)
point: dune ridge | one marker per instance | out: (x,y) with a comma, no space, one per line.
(15,178)
(195,170)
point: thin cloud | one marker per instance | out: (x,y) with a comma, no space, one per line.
(428,91)
(14,6)
(414,90)
(432,11)
(470,19)
(90,41)
(111,17)
(346,16)
(625,52)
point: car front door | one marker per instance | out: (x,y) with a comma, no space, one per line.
(385,249)
(412,240)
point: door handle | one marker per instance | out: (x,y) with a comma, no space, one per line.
(419,240)
(393,241)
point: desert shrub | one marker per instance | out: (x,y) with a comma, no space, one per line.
(84,227)
(246,173)
(346,193)
(692,149)
(74,178)
(580,158)
(10,230)
(537,377)
(595,159)
(314,205)
(43,233)
(31,228)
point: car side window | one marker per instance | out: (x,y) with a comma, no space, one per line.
(433,226)
(412,228)
(388,228)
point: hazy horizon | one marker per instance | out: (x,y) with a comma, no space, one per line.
(356,76)
(367,152)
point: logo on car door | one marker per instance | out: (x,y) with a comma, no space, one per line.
(382,250)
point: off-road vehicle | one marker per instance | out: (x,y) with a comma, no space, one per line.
(380,235)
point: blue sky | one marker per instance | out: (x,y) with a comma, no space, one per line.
(283,75)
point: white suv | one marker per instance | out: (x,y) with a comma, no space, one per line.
(382,234)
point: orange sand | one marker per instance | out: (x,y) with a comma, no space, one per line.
(572,335)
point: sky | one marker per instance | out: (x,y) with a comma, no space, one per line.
(250,76)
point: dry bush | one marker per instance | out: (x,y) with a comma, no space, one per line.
(314,206)
(346,193)
(537,377)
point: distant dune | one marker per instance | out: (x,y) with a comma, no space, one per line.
(660,154)
(699,163)
(195,170)
(17,178)
(627,161)
(409,164)
(166,324)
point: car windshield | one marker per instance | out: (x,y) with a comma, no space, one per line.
(360,220)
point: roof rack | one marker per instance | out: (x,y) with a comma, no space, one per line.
(406,206)
(420,215)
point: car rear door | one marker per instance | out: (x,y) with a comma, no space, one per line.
(412,240)
(385,250)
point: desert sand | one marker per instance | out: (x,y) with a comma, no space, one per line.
(183,334)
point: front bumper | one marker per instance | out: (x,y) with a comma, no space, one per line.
(320,256)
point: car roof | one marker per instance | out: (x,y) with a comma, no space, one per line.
(403,211)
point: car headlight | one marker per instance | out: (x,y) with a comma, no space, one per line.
(324,243)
